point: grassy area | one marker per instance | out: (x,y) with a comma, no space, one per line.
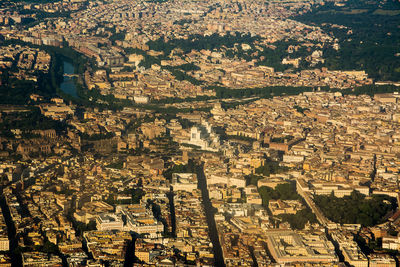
(385,12)
(356,208)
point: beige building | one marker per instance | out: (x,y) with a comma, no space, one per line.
(4,244)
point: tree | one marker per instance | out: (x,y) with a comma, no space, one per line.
(49,247)
(356,208)
(270,167)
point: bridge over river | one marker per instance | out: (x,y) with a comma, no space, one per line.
(71,75)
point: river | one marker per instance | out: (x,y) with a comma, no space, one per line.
(68,85)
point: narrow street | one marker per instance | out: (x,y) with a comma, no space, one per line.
(212,228)
(15,255)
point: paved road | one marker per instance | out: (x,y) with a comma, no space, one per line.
(202,184)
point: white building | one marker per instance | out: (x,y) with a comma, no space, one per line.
(293,158)
(351,251)
(391,242)
(203,137)
(184,181)
(141,222)
(145,225)
(227,179)
(106,222)
(141,99)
